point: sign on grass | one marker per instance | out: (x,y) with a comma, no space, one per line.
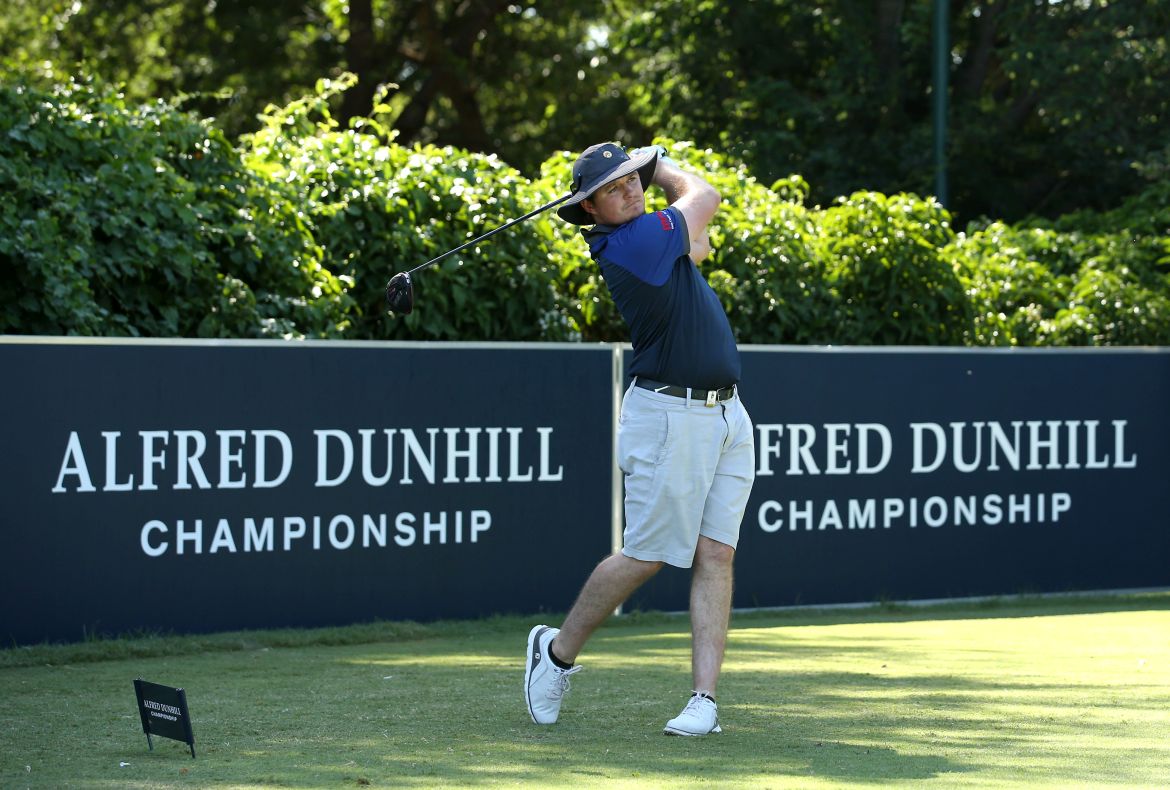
(163,710)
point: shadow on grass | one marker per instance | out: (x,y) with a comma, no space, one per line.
(100,647)
(850,726)
(797,704)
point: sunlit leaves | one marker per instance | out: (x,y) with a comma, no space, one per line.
(119,218)
(123,219)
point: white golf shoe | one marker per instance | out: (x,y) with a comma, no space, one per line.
(699,717)
(545,684)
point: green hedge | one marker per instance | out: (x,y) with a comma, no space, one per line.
(1086,279)
(144,220)
(120,220)
(379,208)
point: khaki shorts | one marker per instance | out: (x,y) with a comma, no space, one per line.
(688,472)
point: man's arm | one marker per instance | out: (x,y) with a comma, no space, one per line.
(694,198)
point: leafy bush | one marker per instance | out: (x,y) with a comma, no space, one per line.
(379,208)
(890,270)
(885,266)
(143,220)
(120,220)
(1111,308)
(1086,279)
(1010,293)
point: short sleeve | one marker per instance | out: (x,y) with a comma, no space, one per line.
(648,246)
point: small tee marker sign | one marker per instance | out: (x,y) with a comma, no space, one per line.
(164,713)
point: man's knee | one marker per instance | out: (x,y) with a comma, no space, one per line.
(713,553)
(635,567)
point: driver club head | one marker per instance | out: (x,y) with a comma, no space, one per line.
(400,293)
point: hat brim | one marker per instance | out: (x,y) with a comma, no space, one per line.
(645,162)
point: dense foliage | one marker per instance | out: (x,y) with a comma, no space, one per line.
(119,218)
(1052,102)
(1086,279)
(378,208)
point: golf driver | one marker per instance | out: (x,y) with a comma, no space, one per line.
(400,289)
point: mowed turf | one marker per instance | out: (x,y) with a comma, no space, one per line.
(1013,694)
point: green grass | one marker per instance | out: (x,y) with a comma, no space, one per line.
(1007,694)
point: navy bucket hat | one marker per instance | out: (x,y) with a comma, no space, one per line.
(599,165)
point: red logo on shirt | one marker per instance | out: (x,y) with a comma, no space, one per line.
(666,220)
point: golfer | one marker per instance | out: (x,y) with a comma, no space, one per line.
(685,442)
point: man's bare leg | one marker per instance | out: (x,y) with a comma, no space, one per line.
(711,584)
(610,584)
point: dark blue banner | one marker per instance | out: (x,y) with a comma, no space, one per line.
(198,486)
(215,486)
(916,474)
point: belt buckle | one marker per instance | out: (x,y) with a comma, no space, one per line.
(711,395)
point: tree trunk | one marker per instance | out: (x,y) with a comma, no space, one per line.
(887,51)
(981,47)
(359,56)
(447,53)
(410,121)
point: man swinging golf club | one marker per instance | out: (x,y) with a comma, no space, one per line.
(685,442)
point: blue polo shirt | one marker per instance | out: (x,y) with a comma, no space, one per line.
(677,325)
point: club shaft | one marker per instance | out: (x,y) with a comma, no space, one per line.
(490,233)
